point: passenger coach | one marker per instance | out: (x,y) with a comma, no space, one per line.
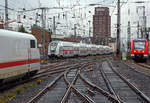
(19,55)
(71,49)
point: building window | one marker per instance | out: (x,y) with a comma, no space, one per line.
(96,22)
(32,43)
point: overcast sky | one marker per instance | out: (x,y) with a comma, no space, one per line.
(79,9)
(31,4)
(50,3)
(129,14)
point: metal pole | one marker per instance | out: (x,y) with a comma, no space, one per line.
(6,14)
(144,22)
(36,18)
(138,29)
(43,36)
(54,26)
(89,31)
(129,37)
(118,28)
(75,34)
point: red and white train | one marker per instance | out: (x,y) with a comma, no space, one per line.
(71,49)
(140,49)
(19,55)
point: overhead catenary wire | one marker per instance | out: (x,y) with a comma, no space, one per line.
(8,8)
(120,6)
(69,12)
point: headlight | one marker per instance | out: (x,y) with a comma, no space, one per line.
(134,51)
(143,51)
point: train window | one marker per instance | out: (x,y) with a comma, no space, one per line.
(139,45)
(32,43)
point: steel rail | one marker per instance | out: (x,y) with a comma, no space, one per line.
(100,90)
(64,65)
(84,98)
(13,84)
(109,86)
(41,74)
(144,65)
(137,91)
(72,87)
(58,68)
(53,65)
(64,99)
(40,94)
(137,70)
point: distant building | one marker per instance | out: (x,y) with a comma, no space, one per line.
(37,32)
(1,26)
(101,25)
(112,44)
(57,37)
(72,38)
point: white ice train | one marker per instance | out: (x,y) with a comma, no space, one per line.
(19,55)
(70,49)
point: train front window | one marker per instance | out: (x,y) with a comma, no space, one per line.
(53,46)
(139,45)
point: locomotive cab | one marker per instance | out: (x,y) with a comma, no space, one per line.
(19,56)
(53,49)
(139,49)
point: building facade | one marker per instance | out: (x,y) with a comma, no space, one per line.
(101,25)
(72,38)
(37,32)
(1,26)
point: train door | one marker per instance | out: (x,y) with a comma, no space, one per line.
(29,59)
(31,54)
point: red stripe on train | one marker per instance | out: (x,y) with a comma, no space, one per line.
(18,63)
(66,50)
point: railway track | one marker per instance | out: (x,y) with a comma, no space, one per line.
(61,86)
(71,87)
(139,67)
(52,65)
(120,87)
(91,92)
(40,74)
(77,89)
(44,72)
(144,65)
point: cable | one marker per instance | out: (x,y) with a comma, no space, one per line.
(8,8)
(120,6)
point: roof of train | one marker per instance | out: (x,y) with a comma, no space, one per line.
(79,44)
(60,42)
(13,34)
(139,40)
(65,42)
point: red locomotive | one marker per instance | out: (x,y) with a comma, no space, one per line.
(140,49)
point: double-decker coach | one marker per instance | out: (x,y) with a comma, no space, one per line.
(71,49)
